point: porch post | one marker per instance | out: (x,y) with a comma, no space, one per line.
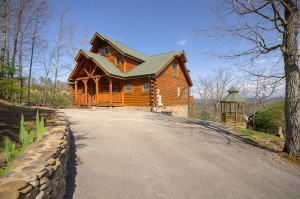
(85,89)
(97,87)
(110,91)
(236,114)
(75,91)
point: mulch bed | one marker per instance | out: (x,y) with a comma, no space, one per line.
(10,117)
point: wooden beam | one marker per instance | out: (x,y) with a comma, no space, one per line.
(75,91)
(125,64)
(97,87)
(83,78)
(88,74)
(236,113)
(85,89)
(94,70)
(110,91)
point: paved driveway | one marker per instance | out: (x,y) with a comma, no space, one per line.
(130,154)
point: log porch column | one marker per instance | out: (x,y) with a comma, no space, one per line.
(97,87)
(85,89)
(110,91)
(75,91)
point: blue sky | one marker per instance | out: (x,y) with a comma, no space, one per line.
(150,26)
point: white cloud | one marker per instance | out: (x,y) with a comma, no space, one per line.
(273,59)
(182,42)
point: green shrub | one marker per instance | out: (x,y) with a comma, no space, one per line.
(204,115)
(40,127)
(268,120)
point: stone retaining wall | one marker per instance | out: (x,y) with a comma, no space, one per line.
(42,170)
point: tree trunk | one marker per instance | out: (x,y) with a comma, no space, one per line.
(16,34)
(8,32)
(292,87)
(3,37)
(31,59)
(21,68)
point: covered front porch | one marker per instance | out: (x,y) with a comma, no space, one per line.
(99,90)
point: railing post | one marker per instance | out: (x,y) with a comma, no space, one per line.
(122,97)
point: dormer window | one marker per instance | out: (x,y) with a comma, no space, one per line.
(107,50)
(118,59)
(104,50)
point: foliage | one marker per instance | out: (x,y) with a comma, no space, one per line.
(9,85)
(269,119)
(8,152)
(26,138)
(204,115)
(40,127)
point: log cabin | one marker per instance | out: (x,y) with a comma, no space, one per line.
(113,74)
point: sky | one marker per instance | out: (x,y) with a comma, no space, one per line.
(149,26)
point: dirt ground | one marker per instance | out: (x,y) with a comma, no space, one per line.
(10,117)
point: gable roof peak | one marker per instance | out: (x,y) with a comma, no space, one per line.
(122,47)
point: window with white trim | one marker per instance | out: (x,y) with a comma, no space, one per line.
(146,86)
(128,88)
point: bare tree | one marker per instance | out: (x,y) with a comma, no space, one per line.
(47,63)
(16,34)
(40,17)
(3,36)
(58,51)
(75,39)
(212,87)
(268,28)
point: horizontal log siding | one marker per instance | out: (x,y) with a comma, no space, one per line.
(138,97)
(167,83)
(131,64)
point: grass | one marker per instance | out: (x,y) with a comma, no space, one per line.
(264,139)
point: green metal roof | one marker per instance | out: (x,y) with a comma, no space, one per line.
(152,65)
(105,63)
(126,49)
(233,96)
(149,67)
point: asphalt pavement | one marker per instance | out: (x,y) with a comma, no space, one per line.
(120,153)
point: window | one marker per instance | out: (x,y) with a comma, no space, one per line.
(104,50)
(107,50)
(175,67)
(128,88)
(178,92)
(116,88)
(106,88)
(146,86)
(118,59)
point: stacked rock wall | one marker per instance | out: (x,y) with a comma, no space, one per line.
(41,171)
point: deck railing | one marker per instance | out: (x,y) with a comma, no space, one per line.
(104,97)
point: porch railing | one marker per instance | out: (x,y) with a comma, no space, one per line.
(104,97)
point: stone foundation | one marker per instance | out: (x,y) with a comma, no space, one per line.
(177,111)
(42,170)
